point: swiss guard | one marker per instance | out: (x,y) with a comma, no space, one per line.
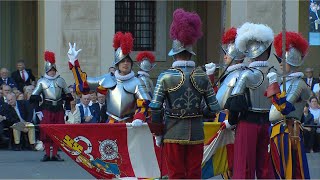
(120,86)
(146,63)
(177,100)
(54,92)
(287,147)
(249,108)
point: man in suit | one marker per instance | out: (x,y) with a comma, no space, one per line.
(102,107)
(6,89)
(88,114)
(7,118)
(22,76)
(25,114)
(310,80)
(5,79)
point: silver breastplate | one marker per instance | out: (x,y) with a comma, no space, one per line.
(297,94)
(51,89)
(226,87)
(120,103)
(148,82)
(259,102)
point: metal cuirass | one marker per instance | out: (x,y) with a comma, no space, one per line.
(227,86)
(297,93)
(258,101)
(51,88)
(148,82)
(121,100)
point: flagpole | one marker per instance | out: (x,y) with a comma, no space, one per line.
(284,49)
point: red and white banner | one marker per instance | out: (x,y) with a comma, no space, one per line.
(109,150)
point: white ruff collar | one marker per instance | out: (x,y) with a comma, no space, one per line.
(123,78)
(49,77)
(259,64)
(235,67)
(143,73)
(296,74)
(179,63)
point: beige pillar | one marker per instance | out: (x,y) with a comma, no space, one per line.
(89,24)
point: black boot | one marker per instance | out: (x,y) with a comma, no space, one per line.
(56,158)
(17,147)
(45,158)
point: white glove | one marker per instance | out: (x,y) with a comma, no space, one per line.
(73,53)
(228,125)
(158,140)
(137,123)
(273,77)
(210,68)
(40,115)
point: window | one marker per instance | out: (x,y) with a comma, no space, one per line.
(139,18)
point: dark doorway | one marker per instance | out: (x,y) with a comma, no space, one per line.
(18,34)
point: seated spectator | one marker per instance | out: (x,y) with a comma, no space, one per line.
(6,89)
(308,132)
(315,111)
(8,117)
(23,111)
(74,94)
(102,107)
(27,91)
(310,80)
(22,76)
(88,114)
(5,79)
(73,116)
(93,98)
(20,96)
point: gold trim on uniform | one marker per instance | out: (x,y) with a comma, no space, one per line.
(183,141)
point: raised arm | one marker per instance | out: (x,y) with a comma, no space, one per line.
(83,83)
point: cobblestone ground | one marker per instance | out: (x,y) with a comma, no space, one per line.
(27,165)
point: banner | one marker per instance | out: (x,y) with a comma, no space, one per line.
(120,150)
(218,151)
(109,150)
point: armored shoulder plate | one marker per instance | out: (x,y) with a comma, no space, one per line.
(199,79)
(131,85)
(107,80)
(171,79)
(61,82)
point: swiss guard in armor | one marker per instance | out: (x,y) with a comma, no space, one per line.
(55,92)
(181,88)
(121,86)
(249,108)
(287,147)
(146,63)
(233,59)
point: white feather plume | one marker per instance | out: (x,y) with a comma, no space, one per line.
(250,31)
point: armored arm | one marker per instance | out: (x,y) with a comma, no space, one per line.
(211,100)
(143,100)
(156,104)
(250,78)
(67,97)
(35,97)
(299,90)
(83,83)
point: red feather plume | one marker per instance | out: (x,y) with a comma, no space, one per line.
(49,56)
(117,40)
(126,43)
(229,36)
(185,27)
(145,55)
(293,39)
